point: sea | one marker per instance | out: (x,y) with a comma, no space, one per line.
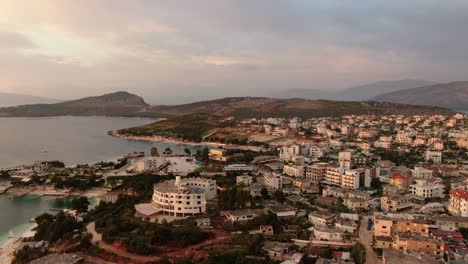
(73,140)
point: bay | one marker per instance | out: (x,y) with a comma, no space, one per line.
(73,140)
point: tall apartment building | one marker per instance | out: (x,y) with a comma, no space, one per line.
(273,181)
(294,171)
(316,171)
(458,204)
(333,176)
(348,179)
(434,156)
(355,179)
(344,160)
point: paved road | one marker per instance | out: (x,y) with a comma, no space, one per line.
(365,236)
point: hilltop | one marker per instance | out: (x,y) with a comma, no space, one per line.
(113,104)
(248,107)
(452,95)
(126,104)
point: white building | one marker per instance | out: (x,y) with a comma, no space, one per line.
(273,181)
(176,165)
(244,180)
(183,197)
(427,188)
(420,172)
(344,159)
(294,171)
(434,156)
(333,176)
(458,204)
(355,179)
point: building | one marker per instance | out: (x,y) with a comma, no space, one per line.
(395,203)
(166,164)
(244,180)
(383,226)
(356,204)
(448,222)
(344,160)
(348,179)
(322,219)
(238,167)
(458,204)
(420,172)
(316,171)
(414,227)
(273,181)
(419,244)
(276,250)
(281,210)
(400,180)
(355,179)
(434,156)
(294,171)
(218,154)
(243,215)
(428,188)
(183,197)
(323,233)
(333,176)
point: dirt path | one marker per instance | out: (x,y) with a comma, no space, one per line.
(365,237)
(220,238)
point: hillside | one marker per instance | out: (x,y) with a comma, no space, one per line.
(126,104)
(11,99)
(247,107)
(369,91)
(189,127)
(452,95)
(114,104)
(357,93)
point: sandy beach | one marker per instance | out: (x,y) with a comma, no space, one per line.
(7,250)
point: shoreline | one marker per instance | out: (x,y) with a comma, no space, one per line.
(114,133)
(11,244)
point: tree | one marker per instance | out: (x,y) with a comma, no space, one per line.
(4,175)
(264,193)
(188,152)
(279,196)
(154,152)
(358,253)
(80,204)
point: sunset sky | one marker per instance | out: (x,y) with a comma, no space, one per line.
(174,51)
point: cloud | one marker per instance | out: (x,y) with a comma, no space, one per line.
(212,46)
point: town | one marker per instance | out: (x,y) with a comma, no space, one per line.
(355,189)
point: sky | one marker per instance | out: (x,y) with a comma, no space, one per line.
(177,51)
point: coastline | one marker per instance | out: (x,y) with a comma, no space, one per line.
(116,134)
(10,245)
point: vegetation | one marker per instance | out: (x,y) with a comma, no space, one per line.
(54,228)
(77,182)
(117,223)
(190,127)
(80,204)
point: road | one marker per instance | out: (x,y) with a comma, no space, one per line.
(365,237)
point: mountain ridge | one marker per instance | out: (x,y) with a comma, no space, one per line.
(452,95)
(127,104)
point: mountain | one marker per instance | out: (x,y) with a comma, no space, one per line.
(11,99)
(452,95)
(368,91)
(126,104)
(356,93)
(113,104)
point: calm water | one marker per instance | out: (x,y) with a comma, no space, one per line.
(73,140)
(16,212)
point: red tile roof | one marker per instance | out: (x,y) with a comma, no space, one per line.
(462,194)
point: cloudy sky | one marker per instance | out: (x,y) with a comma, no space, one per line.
(173,51)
